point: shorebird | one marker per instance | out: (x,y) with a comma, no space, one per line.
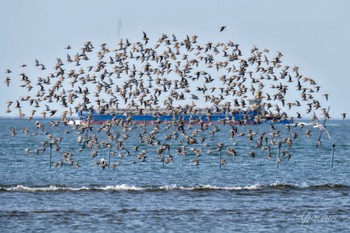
(115,165)
(145,38)
(223,27)
(222,162)
(322,128)
(343,115)
(26,150)
(7,81)
(13,132)
(103,163)
(195,162)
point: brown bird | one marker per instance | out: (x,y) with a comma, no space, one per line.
(195,162)
(7,81)
(222,162)
(145,38)
(308,133)
(13,132)
(326,96)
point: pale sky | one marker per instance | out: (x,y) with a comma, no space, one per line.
(314,34)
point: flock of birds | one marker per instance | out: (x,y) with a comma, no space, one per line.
(171,76)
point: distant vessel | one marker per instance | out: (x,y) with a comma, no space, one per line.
(254,114)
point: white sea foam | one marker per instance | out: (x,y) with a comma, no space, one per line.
(22,188)
(171,187)
(286,184)
(122,187)
(125,187)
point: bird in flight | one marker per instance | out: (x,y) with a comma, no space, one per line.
(223,27)
(344,115)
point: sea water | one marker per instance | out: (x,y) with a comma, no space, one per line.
(302,194)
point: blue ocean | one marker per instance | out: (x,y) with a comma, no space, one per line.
(308,191)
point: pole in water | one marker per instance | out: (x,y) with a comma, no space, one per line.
(50,156)
(109,156)
(332,158)
(279,153)
(220,158)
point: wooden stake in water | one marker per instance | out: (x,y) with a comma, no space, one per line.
(332,158)
(220,158)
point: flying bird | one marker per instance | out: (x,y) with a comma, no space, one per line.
(223,27)
(344,115)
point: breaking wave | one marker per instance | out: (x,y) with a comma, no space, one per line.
(125,187)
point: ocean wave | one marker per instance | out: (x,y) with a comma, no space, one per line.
(203,187)
(208,187)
